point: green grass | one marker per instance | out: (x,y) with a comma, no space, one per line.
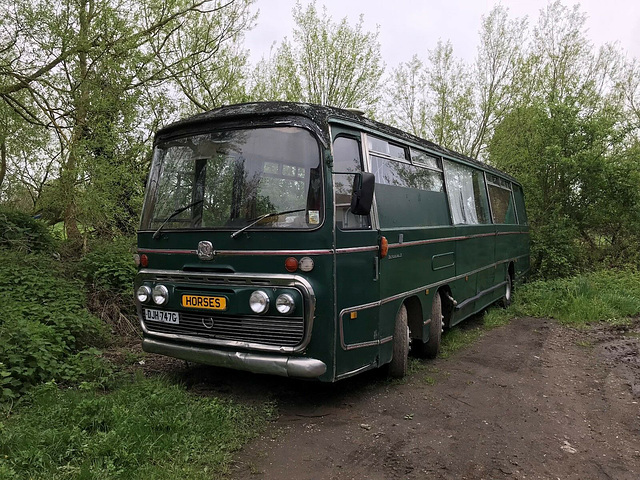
(457,338)
(605,296)
(146,428)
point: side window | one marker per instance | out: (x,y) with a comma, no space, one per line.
(520,208)
(467,194)
(408,192)
(346,159)
(501,198)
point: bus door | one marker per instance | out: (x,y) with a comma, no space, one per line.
(357,265)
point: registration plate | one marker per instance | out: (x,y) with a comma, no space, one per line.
(202,301)
(162,316)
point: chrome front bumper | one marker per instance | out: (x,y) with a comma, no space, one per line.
(281,365)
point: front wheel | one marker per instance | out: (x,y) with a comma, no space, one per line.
(400,359)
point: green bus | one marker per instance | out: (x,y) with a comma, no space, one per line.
(310,241)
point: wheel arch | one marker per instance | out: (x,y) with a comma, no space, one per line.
(415,317)
(447,304)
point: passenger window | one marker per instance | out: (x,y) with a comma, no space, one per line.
(408,195)
(501,198)
(346,159)
(467,194)
(520,209)
(382,146)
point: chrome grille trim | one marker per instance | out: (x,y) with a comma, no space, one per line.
(277,331)
(261,341)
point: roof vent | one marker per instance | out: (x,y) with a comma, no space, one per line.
(357,111)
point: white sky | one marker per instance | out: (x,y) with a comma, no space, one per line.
(409,27)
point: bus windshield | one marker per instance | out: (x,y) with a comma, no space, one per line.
(229,179)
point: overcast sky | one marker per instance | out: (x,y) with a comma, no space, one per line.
(410,27)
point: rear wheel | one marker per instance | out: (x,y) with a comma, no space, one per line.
(432,347)
(400,360)
(508,292)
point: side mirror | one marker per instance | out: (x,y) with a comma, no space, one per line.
(362,193)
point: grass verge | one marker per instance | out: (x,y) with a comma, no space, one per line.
(605,296)
(145,428)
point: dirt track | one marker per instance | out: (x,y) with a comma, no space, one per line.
(530,400)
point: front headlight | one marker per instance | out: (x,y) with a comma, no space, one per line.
(259,301)
(160,295)
(143,294)
(285,304)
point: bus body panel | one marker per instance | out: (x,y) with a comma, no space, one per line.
(345,307)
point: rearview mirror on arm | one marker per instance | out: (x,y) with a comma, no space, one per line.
(362,193)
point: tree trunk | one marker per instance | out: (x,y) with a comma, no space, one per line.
(3,161)
(69,174)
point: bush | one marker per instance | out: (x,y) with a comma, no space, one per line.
(109,272)
(22,232)
(110,266)
(46,333)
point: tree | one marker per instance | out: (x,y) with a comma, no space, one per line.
(407,102)
(101,74)
(568,138)
(454,104)
(499,55)
(327,63)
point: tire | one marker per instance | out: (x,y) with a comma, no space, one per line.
(431,348)
(507,298)
(400,359)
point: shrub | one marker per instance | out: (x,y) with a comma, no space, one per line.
(109,272)
(45,330)
(22,232)
(109,266)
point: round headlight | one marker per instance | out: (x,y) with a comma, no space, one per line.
(160,294)
(259,301)
(143,294)
(285,304)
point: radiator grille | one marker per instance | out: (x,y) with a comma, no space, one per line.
(276,331)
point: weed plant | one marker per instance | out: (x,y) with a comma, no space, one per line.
(109,271)
(22,232)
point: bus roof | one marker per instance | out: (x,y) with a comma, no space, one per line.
(321,116)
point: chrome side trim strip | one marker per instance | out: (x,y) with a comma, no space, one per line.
(398,296)
(372,343)
(460,306)
(167,251)
(355,372)
(282,365)
(357,249)
(225,253)
(329,251)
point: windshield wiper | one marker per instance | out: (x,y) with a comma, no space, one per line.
(175,212)
(262,217)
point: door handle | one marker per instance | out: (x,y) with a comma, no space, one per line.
(376,268)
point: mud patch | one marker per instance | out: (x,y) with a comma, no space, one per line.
(531,400)
(620,346)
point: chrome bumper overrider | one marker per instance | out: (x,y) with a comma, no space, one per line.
(282,365)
